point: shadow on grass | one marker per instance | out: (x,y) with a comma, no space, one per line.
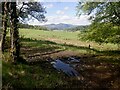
(42,75)
(39,75)
(38,41)
(108,52)
(40,46)
(46,42)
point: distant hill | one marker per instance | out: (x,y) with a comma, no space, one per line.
(59,26)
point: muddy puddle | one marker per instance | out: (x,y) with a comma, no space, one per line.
(66,66)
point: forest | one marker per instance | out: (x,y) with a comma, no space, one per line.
(84,57)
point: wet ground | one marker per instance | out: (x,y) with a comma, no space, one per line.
(66,67)
(89,72)
(82,70)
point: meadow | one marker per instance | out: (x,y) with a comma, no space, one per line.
(98,67)
(42,34)
(64,37)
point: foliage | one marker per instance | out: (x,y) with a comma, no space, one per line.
(102,32)
(105,18)
(30,10)
(101,11)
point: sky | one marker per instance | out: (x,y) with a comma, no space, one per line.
(62,12)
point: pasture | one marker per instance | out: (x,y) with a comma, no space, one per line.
(64,37)
(98,67)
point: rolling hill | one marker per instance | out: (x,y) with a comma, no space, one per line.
(59,26)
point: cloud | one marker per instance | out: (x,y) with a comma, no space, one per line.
(66,8)
(49,5)
(60,12)
(82,20)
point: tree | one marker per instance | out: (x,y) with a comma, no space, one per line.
(101,11)
(4,23)
(14,34)
(10,11)
(105,17)
(102,32)
(31,10)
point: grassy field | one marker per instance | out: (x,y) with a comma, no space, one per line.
(40,34)
(64,37)
(99,65)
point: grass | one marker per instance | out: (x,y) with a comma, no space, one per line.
(38,46)
(30,76)
(41,34)
(63,37)
(65,40)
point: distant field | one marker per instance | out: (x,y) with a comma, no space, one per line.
(40,34)
(63,37)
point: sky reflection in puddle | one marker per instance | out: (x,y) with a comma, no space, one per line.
(66,68)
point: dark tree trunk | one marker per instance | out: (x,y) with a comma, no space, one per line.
(4,25)
(14,34)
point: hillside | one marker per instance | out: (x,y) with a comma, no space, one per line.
(59,26)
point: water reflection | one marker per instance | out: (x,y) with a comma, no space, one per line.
(73,60)
(66,68)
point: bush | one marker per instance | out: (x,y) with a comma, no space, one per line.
(102,33)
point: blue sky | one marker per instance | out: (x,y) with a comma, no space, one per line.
(64,8)
(62,12)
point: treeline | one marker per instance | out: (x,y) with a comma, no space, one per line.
(31,26)
(78,28)
(27,26)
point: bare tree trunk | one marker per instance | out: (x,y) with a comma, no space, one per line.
(14,34)
(4,24)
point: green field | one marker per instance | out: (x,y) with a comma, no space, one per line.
(40,34)
(99,65)
(71,38)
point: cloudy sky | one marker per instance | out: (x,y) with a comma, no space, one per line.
(62,12)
